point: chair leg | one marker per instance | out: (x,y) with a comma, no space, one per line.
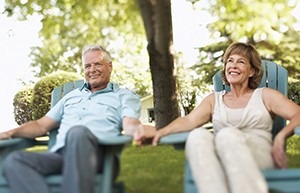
(108,170)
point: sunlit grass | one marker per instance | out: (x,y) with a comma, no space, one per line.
(160,169)
(152,169)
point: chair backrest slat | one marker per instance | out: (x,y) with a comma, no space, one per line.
(271,73)
(69,86)
(274,76)
(56,95)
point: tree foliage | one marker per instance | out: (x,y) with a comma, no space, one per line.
(68,25)
(269,25)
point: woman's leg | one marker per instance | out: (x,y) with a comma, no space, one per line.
(260,148)
(242,171)
(206,169)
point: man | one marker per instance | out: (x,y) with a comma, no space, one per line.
(99,109)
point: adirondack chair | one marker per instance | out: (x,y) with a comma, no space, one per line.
(279,180)
(113,146)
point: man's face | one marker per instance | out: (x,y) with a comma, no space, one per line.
(96,70)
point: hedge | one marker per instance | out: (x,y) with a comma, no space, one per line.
(33,103)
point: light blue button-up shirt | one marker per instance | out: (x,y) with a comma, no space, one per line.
(101,111)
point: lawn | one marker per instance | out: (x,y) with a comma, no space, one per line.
(160,169)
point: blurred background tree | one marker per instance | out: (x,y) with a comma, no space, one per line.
(68,25)
(269,25)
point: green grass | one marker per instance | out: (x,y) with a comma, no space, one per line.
(160,169)
(152,169)
(293,151)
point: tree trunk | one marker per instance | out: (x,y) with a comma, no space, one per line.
(157,19)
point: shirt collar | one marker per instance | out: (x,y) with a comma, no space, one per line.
(110,87)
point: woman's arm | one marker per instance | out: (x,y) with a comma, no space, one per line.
(199,116)
(280,105)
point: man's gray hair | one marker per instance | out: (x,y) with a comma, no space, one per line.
(89,48)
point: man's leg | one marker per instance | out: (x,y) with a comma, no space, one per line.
(83,158)
(25,171)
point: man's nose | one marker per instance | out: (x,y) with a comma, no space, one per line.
(93,67)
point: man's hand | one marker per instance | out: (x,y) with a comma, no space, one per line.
(144,135)
(5,135)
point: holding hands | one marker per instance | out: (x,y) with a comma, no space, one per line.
(148,135)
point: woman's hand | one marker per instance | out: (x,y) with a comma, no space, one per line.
(278,151)
(157,136)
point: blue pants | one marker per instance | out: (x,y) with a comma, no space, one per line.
(79,162)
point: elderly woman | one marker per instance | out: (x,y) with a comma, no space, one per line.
(230,159)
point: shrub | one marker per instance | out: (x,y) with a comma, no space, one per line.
(22,105)
(42,91)
(33,103)
(294,90)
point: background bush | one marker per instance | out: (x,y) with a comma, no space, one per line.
(22,105)
(294,90)
(33,103)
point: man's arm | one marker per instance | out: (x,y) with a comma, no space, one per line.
(31,129)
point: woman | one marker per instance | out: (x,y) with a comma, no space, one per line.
(230,159)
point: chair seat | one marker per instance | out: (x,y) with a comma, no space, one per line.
(292,186)
(54,182)
(283,174)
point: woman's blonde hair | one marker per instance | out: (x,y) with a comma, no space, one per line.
(250,53)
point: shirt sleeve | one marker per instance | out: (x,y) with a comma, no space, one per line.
(131,104)
(56,112)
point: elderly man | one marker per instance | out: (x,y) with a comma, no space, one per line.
(99,108)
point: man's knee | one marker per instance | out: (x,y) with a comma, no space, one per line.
(77,132)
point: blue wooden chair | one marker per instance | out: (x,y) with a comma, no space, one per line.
(104,182)
(279,180)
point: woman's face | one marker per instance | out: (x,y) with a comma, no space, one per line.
(238,70)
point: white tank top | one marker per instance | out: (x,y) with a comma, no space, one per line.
(254,117)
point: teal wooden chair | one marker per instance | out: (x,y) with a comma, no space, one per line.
(279,180)
(104,182)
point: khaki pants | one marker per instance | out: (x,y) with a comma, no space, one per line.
(228,162)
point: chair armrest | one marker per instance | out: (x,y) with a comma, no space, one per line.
(9,145)
(10,142)
(16,143)
(297,130)
(115,140)
(176,138)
